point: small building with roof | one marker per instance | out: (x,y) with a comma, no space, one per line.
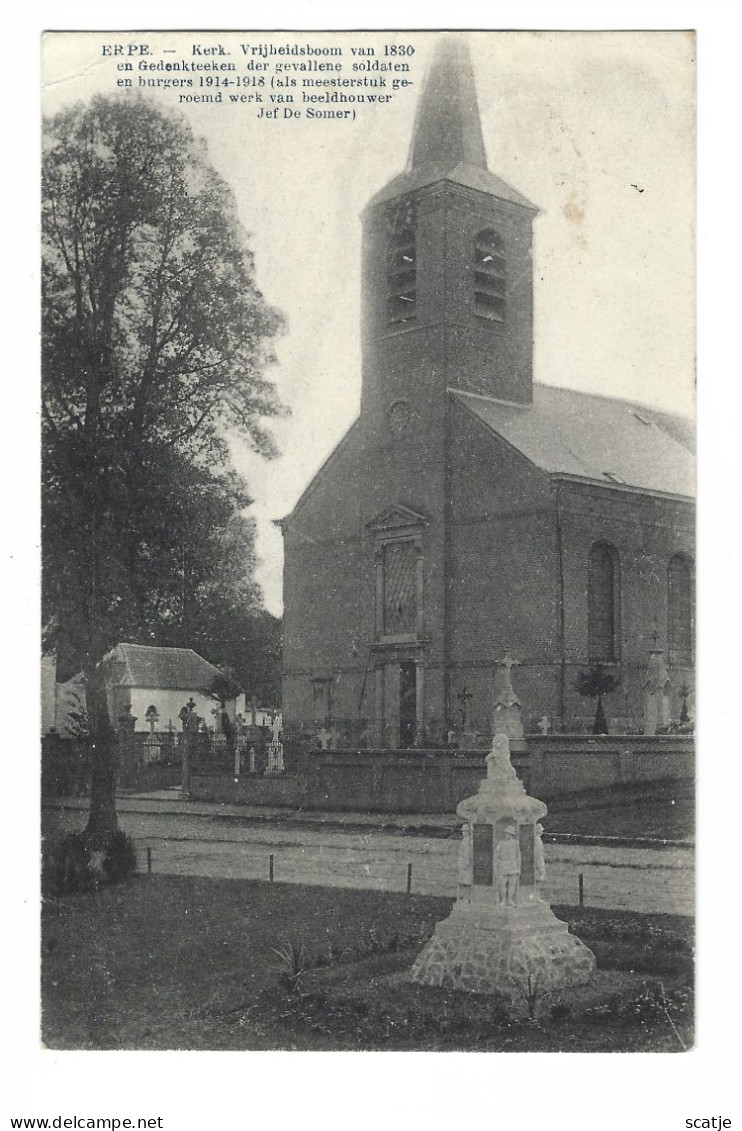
(143,677)
(152,683)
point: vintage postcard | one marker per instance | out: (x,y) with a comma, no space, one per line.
(368,670)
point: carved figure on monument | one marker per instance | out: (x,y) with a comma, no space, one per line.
(507,864)
(465,863)
(539,860)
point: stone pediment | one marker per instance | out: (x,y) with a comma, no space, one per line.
(397,517)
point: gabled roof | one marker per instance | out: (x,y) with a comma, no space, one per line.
(176,669)
(398,515)
(611,442)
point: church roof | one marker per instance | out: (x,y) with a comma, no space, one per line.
(177,669)
(447,141)
(612,442)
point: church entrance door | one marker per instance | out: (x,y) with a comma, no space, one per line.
(407,704)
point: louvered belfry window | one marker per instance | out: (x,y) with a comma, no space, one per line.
(602,603)
(401,267)
(400,588)
(489,276)
(680,610)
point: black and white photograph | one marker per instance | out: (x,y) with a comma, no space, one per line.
(368,689)
(370,574)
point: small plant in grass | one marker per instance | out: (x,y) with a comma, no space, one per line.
(532,991)
(291,965)
(560,1011)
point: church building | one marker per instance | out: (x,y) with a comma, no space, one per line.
(469,513)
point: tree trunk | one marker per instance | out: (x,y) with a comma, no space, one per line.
(102,817)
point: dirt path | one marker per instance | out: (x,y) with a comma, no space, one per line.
(207,844)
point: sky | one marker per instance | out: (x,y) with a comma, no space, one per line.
(595,128)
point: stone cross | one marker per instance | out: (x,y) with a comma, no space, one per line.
(506,717)
(463,698)
(657,688)
(325,738)
(506,681)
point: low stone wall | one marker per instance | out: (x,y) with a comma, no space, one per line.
(284,791)
(435,781)
(563,763)
(421,781)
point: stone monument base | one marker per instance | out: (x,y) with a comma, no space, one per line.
(486,949)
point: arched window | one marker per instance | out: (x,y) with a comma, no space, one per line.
(680,610)
(489,276)
(603,602)
(401,266)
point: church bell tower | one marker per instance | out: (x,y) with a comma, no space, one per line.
(447,273)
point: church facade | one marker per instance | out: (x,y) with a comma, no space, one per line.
(470,513)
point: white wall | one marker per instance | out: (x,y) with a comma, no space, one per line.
(169,704)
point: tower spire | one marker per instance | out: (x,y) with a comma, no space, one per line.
(447,142)
(447,130)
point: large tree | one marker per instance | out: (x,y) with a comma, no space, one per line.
(156,341)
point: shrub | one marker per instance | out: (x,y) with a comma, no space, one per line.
(70,867)
(120,860)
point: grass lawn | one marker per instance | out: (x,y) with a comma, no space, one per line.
(168,962)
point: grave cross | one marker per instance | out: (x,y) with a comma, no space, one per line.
(463,698)
(324,737)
